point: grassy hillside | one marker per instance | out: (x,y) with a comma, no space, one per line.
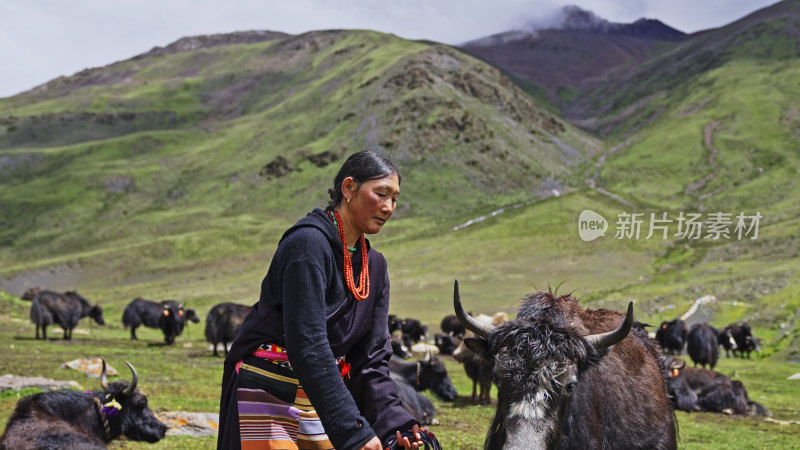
(194,155)
(631,96)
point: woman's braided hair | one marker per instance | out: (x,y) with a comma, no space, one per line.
(362,166)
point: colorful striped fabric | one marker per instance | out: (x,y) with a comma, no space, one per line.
(274,411)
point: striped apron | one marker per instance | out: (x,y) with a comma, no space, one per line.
(274,411)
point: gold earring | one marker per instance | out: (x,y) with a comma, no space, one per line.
(348,200)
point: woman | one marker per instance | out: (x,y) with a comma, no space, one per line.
(309,367)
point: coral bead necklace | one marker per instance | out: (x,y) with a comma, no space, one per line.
(360,293)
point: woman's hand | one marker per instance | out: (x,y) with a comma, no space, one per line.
(373,444)
(414,443)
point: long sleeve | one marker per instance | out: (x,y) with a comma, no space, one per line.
(303,286)
(370,383)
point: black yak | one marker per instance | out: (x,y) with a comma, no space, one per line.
(65,310)
(702,345)
(169,316)
(223,323)
(672,336)
(419,406)
(696,389)
(69,419)
(429,373)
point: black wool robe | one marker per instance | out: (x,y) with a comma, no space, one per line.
(305,307)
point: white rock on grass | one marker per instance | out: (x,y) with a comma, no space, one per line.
(16,383)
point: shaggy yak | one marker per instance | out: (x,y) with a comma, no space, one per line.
(68,419)
(574,378)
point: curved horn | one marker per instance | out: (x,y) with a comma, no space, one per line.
(103,374)
(481,329)
(604,340)
(129,390)
(677,364)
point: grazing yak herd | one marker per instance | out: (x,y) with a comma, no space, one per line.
(566,376)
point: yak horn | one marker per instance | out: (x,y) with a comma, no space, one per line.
(103,379)
(602,341)
(677,364)
(129,390)
(481,329)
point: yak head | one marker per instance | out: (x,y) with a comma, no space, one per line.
(191,316)
(95,312)
(538,359)
(432,374)
(125,408)
(172,320)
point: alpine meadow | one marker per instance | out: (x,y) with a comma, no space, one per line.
(173,174)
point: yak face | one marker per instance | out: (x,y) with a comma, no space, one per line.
(191,316)
(538,359)
(171,321)
(96,313)
(134,419)
(536,368)
(126,409)
(433,375)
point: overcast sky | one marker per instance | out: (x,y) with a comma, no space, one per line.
(43,39)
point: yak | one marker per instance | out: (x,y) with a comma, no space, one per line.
(429,373)
(30,293)
(696,389)
(446,343)
(419,406)
(672,336)
(65,309)
(450,325)
(726,341)
(702,345)
(478,368)
(399,349)
(223,323)
(574,378)
(169,316)
(742,336)
(394,323)
(69,419)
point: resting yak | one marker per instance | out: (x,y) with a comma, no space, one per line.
(695,389)
(428,373)
(69,419)
(565,381)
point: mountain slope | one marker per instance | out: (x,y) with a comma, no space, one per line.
(574,53)
(711,128)
(215,143)
(626,96)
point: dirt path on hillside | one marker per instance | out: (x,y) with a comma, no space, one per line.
(710,131)
(592,174)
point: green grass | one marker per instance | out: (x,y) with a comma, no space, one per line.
(186,377)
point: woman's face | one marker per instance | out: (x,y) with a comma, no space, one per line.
(372,203)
